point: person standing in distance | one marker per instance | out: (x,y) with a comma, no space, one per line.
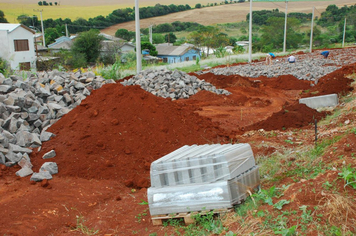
(269,57)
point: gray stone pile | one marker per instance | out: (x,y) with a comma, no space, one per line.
(311,69)
(171,84)
(308,66)
(28,106)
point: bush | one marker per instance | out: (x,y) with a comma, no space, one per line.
(4,67)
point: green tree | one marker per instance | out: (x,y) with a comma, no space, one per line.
(170,38)
(89,44)
(2,17)
(198,5)
(125,34)
(51,34)
(209,36)
(40,3)
(149,46)
(273,34)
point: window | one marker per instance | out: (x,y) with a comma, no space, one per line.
(187,58)
(165,60)
(21,45)
(194,57)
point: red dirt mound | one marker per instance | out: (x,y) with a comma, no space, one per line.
(118,131)
(293,116)
(285,82)
(335,82)
(223,81)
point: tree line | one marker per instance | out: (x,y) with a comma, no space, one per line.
(116,17)
(45,3)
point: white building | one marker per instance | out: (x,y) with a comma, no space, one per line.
(17,46)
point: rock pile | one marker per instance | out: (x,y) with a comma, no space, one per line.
(171,84)
(29,106)
(309,69)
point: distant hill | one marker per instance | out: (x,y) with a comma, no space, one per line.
(228,13)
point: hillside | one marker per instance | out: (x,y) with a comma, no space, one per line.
(235,12)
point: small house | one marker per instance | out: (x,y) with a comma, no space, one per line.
(17,46)
(175,54)
(62,43)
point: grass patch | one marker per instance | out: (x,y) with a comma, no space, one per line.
(81,227)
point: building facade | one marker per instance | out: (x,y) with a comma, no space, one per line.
(17,46)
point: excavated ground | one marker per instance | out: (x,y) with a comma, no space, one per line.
(105,146)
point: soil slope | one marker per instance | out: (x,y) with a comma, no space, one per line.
(105,146)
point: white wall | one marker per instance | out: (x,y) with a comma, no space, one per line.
(14,58)
(4,48)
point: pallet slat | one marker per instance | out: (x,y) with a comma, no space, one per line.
(186,216)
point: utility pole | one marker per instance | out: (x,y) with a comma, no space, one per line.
(250,36)
(311,33)
(138,38)
(67,35)
(343,37)
(150,33)
(285,28)
(43,33)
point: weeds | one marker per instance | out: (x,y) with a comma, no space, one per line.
(81,227)
(349,176)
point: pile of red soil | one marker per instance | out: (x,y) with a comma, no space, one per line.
(224,81)
(335,82)
(118,131)
(285,82)
(292,116)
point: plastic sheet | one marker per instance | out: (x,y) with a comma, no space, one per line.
(201,164)
(203,196)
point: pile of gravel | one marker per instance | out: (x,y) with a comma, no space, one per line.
(171,84)
(310,69)
(29,106)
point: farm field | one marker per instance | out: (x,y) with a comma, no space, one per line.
(227,13)
(207,16)
(105,146)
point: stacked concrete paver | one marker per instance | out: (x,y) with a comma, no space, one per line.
(204,177)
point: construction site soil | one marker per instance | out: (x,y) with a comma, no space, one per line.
(105,147)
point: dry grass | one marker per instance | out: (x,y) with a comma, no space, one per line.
(228,13)
(250,225)
(339,210)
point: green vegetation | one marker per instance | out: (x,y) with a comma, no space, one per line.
(2,17)
(349,175)
(81,227)
(4,67)
(88,44)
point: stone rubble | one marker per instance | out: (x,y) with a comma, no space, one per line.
(171,84)
(29,105)
(308,66)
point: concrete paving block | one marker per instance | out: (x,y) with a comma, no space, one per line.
(201,164)
(330,100)
(203,196)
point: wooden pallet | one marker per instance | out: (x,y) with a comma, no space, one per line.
(186,216)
